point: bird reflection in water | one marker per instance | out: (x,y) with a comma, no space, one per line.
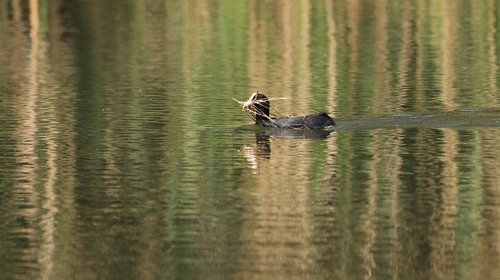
(261,150)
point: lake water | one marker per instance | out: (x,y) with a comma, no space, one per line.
(123,155)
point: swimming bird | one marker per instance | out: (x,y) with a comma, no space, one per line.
(258,107)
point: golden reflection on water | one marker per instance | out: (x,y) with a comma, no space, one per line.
(442,240)
(279,228)
(490,212)
(449,41)
(493,48)
(26,134)
(38,127)
(113,173)
(37,59)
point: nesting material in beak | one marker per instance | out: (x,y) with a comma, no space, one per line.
(247,105)
(257,107)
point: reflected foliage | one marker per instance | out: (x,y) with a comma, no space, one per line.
(123,156)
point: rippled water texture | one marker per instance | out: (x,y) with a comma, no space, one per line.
(123,155)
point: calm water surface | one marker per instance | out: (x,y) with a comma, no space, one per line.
(123,155)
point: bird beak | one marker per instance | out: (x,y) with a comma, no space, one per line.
(247,105)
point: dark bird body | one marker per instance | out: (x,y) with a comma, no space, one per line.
(258,106)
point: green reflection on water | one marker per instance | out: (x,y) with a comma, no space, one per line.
(123,155)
